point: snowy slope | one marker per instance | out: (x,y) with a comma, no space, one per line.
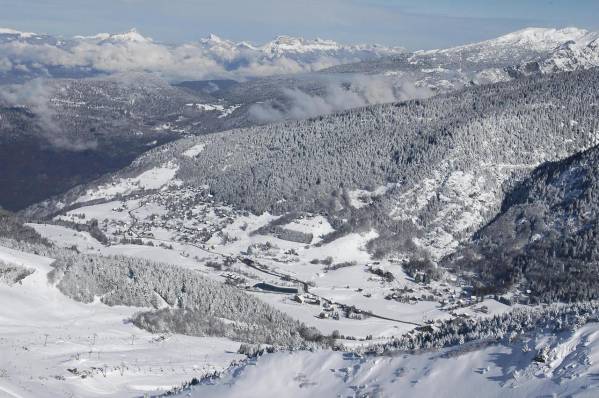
(155,178)
(43,334)
(541,39)
(506,49)
(570,56)
(505,370)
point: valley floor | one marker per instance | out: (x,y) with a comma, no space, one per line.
(340,275)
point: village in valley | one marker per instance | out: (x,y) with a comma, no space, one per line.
(285,260)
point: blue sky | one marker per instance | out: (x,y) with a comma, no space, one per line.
(409,23)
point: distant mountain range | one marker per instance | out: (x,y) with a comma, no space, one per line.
(24,55)
(490,61)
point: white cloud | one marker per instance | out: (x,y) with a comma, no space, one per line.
(210,58)
(361,90)
(5,65)
(35,95)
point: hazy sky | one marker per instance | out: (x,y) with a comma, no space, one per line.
(410,23)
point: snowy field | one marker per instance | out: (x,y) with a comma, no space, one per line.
(152,179)
(52,346)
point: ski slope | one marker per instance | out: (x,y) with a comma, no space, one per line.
(43,334)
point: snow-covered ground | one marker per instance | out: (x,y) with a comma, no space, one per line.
(195,150)
(223,110)
(152,179)
(481,371)
(52,346)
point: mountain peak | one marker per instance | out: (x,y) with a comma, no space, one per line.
(543,38)
(214,38)
(131,36)
(283,44)
(216,41)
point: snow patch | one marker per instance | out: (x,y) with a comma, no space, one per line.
(224,110)
(315,225)
(360,198)
(195,150)
(154,178)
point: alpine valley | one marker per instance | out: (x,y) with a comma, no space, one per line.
(299,218)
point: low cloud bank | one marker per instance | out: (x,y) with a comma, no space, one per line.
(211,58)
(35,95)
(361,90)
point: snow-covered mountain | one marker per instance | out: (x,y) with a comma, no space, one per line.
(24,55)
(13,32)
(489,61)
(572,56)
(132,36)
(539,39)
(506,50)
(569,56)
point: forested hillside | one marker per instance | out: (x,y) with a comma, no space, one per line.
(545,238)
(56,134)
(185,302)
(433,171)
(188,303)
(300,164)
